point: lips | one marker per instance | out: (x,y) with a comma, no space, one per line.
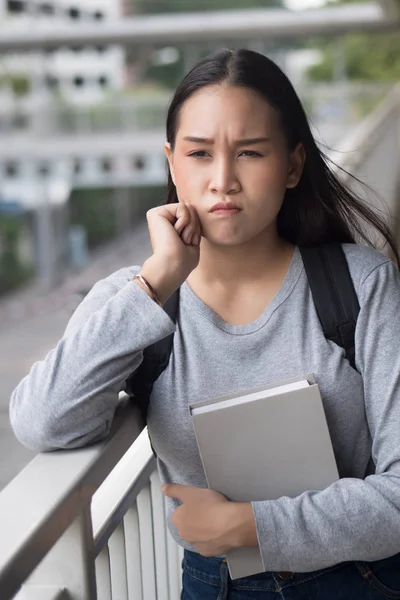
(221,206)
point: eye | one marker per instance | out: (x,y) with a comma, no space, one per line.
(250,154)
(199,154)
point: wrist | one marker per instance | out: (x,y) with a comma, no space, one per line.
(161,277)
(243,531)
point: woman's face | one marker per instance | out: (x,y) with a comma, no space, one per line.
(230,149)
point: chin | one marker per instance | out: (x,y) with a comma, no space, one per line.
(226,241)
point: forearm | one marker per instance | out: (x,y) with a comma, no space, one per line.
(162,276)
(353,519)
(69,398)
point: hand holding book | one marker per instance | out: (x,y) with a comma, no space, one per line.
(210,522)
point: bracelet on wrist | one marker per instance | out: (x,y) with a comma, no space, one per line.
(153,293)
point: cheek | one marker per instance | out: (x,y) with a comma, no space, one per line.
(273,173)
(188,182)
(269,187)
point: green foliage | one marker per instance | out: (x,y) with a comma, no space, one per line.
(94,210)
(168,76)
(368,56)
(173,6)
(20,85)
(12,272)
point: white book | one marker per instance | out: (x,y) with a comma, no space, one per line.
(268,442)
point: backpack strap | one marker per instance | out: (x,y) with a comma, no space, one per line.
(155,360)
(333,293)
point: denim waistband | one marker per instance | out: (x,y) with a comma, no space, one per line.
(209,569)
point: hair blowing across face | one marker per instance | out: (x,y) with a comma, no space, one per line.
(320,208)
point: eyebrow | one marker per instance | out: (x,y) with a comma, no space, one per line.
(243,142)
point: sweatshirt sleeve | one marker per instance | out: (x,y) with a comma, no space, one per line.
(68,400)
(353,519)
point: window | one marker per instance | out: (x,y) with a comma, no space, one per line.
(98,15)
(11,169)
(44,169)
(46,8)
(52,82)
(103,81)
(79,81)
(16,6)
(77,166)
(74,13)
(101,49)
(139,163)
(106,165)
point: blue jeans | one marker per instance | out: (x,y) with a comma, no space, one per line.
(208,579)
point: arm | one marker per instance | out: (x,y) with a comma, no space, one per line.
(69,399)
(352,519)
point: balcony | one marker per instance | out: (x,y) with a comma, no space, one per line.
(74,522)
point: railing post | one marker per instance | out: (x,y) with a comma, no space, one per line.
(70,563)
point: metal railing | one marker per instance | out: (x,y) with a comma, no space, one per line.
(371,152)
(90,523)
(252,24)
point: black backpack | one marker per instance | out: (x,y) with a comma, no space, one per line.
(335,301)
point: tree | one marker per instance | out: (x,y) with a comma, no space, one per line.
(381,64)
(171,6)
(368,56)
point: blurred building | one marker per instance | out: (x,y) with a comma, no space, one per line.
(81,74)
(32,86)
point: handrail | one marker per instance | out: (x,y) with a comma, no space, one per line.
(371,153)
(120,489)
(362,139)
(60,486)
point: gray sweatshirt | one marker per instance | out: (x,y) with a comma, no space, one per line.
(68,400)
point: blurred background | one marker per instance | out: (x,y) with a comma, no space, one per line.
(84,88)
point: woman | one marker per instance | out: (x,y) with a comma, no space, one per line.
(247,186)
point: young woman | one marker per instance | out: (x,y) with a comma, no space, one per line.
(247,186)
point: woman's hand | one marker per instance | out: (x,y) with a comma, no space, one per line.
(210,522)
(175,234)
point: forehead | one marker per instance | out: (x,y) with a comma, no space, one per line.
(232,109)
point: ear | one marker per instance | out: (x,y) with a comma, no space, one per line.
(296,166)
(170,156)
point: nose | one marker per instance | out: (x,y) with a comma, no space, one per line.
(224,180)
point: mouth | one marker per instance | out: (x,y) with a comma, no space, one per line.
(225,208)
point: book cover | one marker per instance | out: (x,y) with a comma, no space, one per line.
(262,446)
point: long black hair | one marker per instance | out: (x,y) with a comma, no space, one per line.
(320,208)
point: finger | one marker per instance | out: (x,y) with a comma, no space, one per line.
(193,229)
(194,218)
(197,232)
(176,490)
(170,212)
(187,235)
(183,219)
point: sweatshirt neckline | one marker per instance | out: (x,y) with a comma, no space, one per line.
(287,286)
